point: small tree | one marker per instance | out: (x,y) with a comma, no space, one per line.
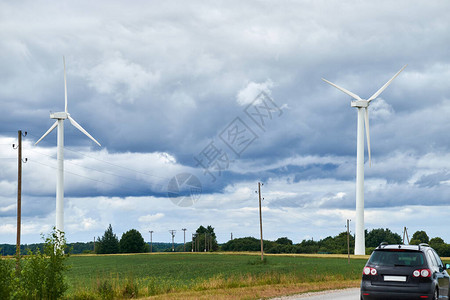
(108,243)
(419,237)
(132,242)
(376,236)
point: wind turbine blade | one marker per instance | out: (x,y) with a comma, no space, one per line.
(366,121)
(78,126)
(65,85)
(48,131)
(374,96)
(343,90)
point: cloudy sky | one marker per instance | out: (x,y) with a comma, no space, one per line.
(194,103)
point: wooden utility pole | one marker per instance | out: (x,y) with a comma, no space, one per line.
(197,242)
(151,241)
(231,236)
(19,189)
(184,239)
(172,232)
(260,221)
(205,241)
(348,241)
(192,243)
(210,242)
(94,244)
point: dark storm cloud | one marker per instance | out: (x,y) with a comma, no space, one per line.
(155,83)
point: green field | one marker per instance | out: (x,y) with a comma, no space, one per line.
(159,274)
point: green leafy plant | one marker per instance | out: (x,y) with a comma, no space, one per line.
(40,274)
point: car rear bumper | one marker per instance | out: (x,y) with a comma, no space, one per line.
(422,291)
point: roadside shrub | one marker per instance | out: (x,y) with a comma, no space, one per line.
(130,290)
(105,290)
(41,273)
(6,277)
(83,295)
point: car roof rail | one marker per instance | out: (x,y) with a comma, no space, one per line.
(423,245)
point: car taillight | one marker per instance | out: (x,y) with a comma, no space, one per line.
(422,273)
(370,271)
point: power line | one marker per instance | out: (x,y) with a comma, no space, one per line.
(118,166)
(96,170)
(65,171)
(107,162)
(96,180)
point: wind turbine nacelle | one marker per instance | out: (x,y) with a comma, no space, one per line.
(360,103)
(59,115)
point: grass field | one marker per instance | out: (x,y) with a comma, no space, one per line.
(205,275)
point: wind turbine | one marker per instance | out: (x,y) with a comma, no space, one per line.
(60,117)
(363,117)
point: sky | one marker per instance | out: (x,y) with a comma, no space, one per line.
(196,102)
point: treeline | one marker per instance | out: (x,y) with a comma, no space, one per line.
(204,239)
(83,248)
(75,248)
(336,244)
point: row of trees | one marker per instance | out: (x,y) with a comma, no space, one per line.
(130,242)
(336,244)
(133,242)
(204,239)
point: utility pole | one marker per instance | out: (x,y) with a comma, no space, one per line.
(151,241)
(205,241)
(192,243)
(405,232)
(172,232)
(260,221)
(19,189)
(197,242)
(94,244)
(184,239)
(348,241)
(231,236)
(210,242)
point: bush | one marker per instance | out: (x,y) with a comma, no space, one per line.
(105,290)
(40,274)
(130,290)
(6,277)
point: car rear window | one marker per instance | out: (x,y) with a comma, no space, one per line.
(396,258)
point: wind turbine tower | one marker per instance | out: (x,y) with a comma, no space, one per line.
(363,117)
(60,117)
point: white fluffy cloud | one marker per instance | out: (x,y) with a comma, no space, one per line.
(249,93)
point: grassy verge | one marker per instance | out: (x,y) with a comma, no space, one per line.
(258,292)
(204,275)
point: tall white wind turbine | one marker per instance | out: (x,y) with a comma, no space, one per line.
(60,117)
(363,117)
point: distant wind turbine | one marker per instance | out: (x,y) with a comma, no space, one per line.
(60,117)
(363,117)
